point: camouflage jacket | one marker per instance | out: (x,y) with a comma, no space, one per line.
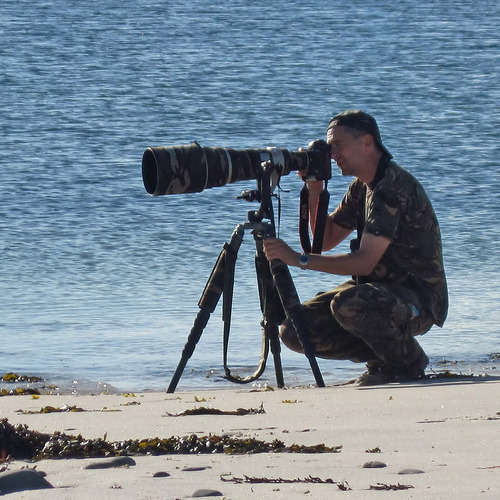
(396,207)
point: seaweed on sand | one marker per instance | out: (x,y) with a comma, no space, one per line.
(19,442)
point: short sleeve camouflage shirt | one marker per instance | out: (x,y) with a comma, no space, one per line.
(396,207)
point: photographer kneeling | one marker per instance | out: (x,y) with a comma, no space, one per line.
(398,288)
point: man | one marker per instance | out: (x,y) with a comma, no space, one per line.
(398,287)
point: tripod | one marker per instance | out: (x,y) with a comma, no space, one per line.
(277,293)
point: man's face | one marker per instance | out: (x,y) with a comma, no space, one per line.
(347,151)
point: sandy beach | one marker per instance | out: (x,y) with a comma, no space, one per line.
(433,439)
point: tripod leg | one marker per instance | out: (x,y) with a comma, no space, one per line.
(293,308)
(274,342)
(208,301)
(271,308)
(199,324)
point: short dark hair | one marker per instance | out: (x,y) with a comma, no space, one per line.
(361,121)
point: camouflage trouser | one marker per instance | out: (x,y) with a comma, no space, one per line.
(371,322)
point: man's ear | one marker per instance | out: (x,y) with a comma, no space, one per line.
(368,141)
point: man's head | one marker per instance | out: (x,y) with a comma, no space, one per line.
(359,123)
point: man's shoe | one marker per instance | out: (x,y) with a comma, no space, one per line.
(379,374)
(375,377)
(411,376)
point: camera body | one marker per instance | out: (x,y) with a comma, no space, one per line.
(193,168)
(320,167)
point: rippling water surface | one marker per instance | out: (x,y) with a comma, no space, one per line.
(99,283)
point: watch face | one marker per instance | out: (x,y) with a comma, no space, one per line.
(304,260)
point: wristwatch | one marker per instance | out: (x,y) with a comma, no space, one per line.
(304,260)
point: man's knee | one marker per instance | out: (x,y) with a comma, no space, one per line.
(289,337)
(349,308)
(368,307)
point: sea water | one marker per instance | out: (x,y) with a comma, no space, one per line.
(99,282)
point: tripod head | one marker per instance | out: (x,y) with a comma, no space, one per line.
(267,178)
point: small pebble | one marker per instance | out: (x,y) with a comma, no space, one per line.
(161,474)
(374,465)
(206,493)
(109,463)
(411,471)
(21,480)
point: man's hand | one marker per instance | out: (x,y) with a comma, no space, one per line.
(315,187)
(274,248)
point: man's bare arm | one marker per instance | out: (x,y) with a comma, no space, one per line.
(360,263)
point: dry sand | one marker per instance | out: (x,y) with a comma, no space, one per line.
(444,433)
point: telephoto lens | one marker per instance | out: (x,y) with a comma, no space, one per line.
(192,168)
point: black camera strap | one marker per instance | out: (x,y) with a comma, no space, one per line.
(229,254)
(305,240)
(321,215)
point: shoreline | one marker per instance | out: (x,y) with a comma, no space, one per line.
(442,433)
(487,367)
